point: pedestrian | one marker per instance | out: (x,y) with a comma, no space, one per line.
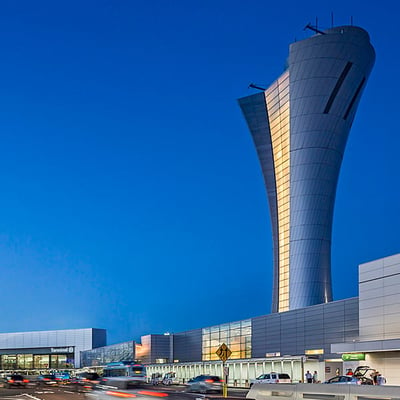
(315,377)
(349,372)
(380,379)
(308,377)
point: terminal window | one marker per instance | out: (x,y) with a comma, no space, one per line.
(236,335)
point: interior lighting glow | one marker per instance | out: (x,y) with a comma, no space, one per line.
(277,100)
(314,352)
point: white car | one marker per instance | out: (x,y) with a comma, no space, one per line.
(272,377)
(170,379)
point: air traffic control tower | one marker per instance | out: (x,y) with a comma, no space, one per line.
(300,126)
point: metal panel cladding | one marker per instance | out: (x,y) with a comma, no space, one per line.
(300,126)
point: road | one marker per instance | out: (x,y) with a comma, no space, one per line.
(148,392)
(40,394)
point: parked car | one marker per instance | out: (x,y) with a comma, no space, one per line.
(365,374)
(272,377)
(62,377)
(345,380)
(156,378)
(204,384)
(170,379)
(13,380)
(46,380)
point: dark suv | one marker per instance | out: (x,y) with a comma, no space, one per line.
(85,381)
(204,384)
(14,380)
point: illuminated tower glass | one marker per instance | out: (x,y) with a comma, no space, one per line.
(300,126)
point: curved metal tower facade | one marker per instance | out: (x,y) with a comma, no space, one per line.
(300,126)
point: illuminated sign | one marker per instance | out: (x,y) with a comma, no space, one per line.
(276,354)
(314,352)
(62,349)
(353,357)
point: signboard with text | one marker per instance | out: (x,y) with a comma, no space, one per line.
(353,357)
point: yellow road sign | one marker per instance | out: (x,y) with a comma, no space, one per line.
(223,352)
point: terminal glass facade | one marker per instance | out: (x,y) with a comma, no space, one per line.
(103,355)
(277,100)
(25,361)
(35,361)
(236,335)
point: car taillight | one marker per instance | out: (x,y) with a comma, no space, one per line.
(26,380)
(120,394)
(46,379)
(151,393)
(11,380)
(209,381)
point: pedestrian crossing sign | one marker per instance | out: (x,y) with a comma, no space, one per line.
(223,352)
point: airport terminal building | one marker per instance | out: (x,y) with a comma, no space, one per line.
(42,350)
(299,126)
(342,334)
(328,338)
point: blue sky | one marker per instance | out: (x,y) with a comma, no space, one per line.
(132,198)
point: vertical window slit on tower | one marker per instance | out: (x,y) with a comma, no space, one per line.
(354,98)
(337,87)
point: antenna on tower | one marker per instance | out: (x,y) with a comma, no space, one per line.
(314,29)
(331,19)
(254,86)
(351,20)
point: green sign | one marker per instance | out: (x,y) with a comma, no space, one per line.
(353,357)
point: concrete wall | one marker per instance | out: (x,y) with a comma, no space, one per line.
(188,346)
(294,332)
(379,299)
(388,364)
(379,318)
(302,391)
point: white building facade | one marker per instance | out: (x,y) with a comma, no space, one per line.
(41,350)
(379,318)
